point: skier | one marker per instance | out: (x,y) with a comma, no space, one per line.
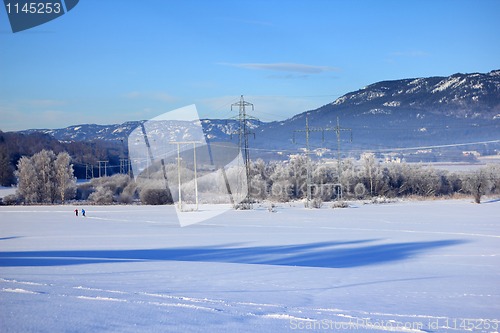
(76,212)
(83,212)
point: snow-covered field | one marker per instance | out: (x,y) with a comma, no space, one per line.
(405,267)
(4,191)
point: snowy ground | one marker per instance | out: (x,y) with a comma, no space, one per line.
(4,191)
(405,267)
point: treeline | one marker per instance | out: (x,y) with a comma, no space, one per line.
(45,178)
(15,145)
(284,181)
(48,178)
(366,178)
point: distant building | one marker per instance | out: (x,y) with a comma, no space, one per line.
(391,159)
(471,153)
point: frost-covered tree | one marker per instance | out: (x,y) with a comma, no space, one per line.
(45,178)
(296,173)
(44,166)
(283,188)
(477,183)
(351,176)
(155,196)
(258,187)
(371,172)
(258,167)
(64,180)
(116,183)
(493,170)
(324,178)
(102,196)
(28,183)
(424,181)
(359,190)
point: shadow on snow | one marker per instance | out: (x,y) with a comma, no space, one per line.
(325,254)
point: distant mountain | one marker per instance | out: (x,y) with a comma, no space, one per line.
(431,111)
(384,117)
(460,96)
(90,132)
(214,128)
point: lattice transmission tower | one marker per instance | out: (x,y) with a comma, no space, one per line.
(243,134)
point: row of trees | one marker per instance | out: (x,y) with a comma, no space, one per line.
(14,145)
(45,178)
(122,189)
(48,178)
(366,178)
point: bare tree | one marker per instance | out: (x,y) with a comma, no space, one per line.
(6,170)
(477,183)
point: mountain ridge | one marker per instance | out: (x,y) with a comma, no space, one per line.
(393,113)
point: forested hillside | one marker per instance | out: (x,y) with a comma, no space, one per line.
(15,145)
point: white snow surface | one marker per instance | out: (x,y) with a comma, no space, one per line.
(431,266)
(4,191)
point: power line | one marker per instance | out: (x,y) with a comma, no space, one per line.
(178,143)
(89,171)
(105,163)
(337,129)
(243,133)
(125,166)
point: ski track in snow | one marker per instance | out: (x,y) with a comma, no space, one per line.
(359,229)
(19,291)
(98,298)
(353,319)
(123,220)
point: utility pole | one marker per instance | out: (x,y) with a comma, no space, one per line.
(178,143)
(105,168)
(124,166)
(308,130)
(150,158)
(124,161)
(338,130)
(89,171)
(243,133)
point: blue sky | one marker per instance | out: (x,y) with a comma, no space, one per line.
(110,61)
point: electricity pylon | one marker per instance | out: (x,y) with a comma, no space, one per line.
(308,130)
(243,133)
